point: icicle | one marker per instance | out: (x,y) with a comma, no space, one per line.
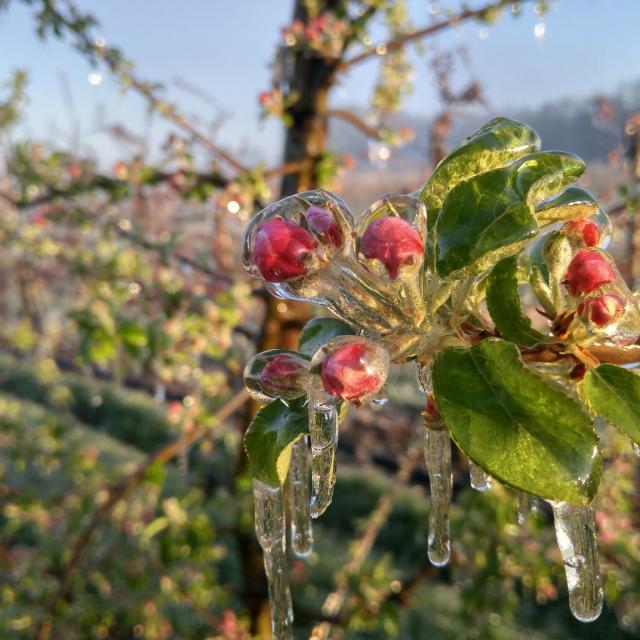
(270,530)
(437,455)
(480,479)
(526,503)
(323,428)
(298,486)
(636,449)
(576,535)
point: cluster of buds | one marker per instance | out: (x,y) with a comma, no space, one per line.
(272,102)
(593,282)
(323,34)
(307,247)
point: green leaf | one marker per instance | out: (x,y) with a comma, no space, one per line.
(481,216)
(496,144)
(503,302)
(614,393)
(572,204)
(491,215)
(320,330)
(269,439)
(521,429)
(133,334)
(540,175)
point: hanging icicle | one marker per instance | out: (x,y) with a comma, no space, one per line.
(437,455)
(576,535)
(480,479)
(299,499)
(271,534)
(323,428)
(526,504)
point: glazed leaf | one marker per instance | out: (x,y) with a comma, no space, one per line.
(541,175)
(479,217)
(320,330)
(491,215)
(494,145)
(519,428)
(614,393)
(572,204)
(269,439)
(503,302)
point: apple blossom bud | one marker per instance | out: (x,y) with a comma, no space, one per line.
(587,271)
(586,231)
(603,310)
(324,225)
(276,374)
(285,376)
(281,248)
(394,242)
(352,373)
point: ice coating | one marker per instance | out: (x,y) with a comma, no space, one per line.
(299,499)
(276,373)
(480,479)
(271,534)
(576,536)
(437,456)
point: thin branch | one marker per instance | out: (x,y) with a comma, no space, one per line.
(117,493)
(401,41)
(356,121)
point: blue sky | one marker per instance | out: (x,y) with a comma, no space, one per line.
(224,47)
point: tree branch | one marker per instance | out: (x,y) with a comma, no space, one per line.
(117,493)
(356,121)
(401,41)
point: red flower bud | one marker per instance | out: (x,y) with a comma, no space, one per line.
(432,410)
(264,98)
(587,271)
(586,230)
(603,309)
(324,225)
(394,242)
(285,376)
(348,374)
(281,248)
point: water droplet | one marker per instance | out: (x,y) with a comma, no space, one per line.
(480,479)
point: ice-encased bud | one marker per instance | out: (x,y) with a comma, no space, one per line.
(323,224)
(603,309)
(393,242)
(276,373)
(589,270)
(282,250)
(391,235)
(583,232)
(291,241)
(350,368)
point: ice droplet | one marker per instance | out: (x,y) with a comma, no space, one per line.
(526,504)
(480,479)
(636,449)
(437,455)
(270,531)
(323,428)
(299,499)
(576,535)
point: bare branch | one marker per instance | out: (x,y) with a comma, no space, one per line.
(356,121)
(399,42)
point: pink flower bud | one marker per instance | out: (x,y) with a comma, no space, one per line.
(284,376)
(603,309)
(586,230)
(587,271)
(324,225)
(281,248)
(394,242)
(349,373)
